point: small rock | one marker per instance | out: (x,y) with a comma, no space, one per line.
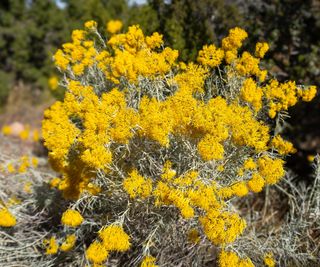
(16,128)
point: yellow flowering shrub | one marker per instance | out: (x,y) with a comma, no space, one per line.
(146,144)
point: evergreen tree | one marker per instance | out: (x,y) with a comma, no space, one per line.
(188,25)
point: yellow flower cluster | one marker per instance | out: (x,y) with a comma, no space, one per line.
(114,26)
(194,236)
(281,96)
(24,163)
(256,183)
(261,49)
(283,147)
(78,55)
(97,253)
(189,194)
(24,134)
(83,120)
(307,94)
(269,260)
(133,54)
(91,25)
(252,94)
(271,169)
(71,218)
(234,40)
(52,246)
(135,58)
(247,65)
(137,186)
(149,261)
(69,243)
(113,238)
(210,56)
(231,259)
(53,82)
(249,164)
(222,227)
(6,130)
(6,218)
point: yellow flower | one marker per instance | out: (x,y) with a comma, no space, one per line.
(69,243)
(280,96)
(269,260)
(11,168)
(24,164)
(27,188)
(90,25)
(307,94)
(6,130)
(114,238)
(58,132)
(54,182)
(154,41)
(137,186)
(96,252)
(210,56)
(283,147)
(256,183)
(222,227)
(271,169)
(249,164)
(261,49)
(71,218)
(6,218)
(231,259)
(240,189)
(230,56)
(194,236)
(311,158)
(234,40)
(53,83)
(61,60)
(252,94)
(52,246)
(78,36)
(114,26)
(210,149)
(167,172)
(24,135)
(248,65)
(36,136)
(34,162)
(148,261)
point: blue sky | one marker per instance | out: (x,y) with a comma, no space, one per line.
(139,1)
(60,4)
